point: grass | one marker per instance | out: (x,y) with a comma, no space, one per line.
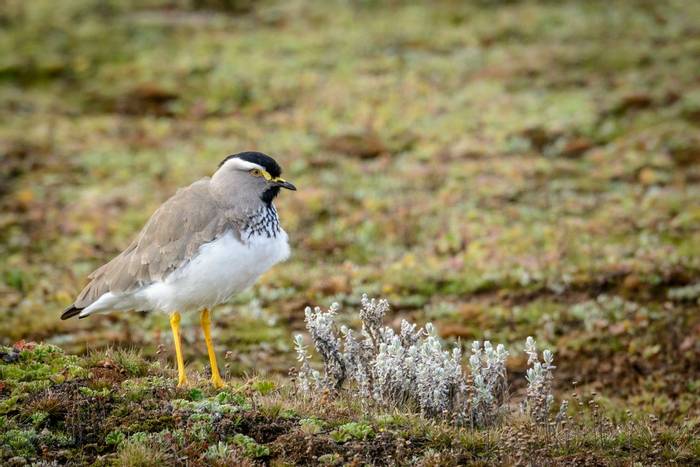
(147,420)
(502,169)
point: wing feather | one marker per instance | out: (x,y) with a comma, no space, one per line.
(169,239)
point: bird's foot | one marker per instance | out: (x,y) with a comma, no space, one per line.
(182,382)
(217,382)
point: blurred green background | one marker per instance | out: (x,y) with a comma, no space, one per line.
(500,168)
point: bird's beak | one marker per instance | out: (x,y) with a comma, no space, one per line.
(283,183)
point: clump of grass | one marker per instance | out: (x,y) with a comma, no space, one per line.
(131,361)
(140,453)
(263,386)
(411,370)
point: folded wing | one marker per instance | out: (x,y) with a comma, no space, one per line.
(170,238)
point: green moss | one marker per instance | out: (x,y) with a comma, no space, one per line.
(35,369)
(209,405)
(143,388)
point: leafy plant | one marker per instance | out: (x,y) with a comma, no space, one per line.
(115,438)
(39,417)
(311,425)
(89,392)
(195,394)
(352,430)
(250,447)
(218,451)
(19,442)
(539,399)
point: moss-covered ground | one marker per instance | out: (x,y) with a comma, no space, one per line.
(500,168)
(117,408)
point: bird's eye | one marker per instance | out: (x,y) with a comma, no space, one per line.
(255,172)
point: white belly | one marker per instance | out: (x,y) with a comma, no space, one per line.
(221,269)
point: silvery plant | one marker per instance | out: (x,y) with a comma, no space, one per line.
(539,397)
(410,369)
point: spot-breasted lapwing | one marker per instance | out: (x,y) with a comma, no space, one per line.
(208,242)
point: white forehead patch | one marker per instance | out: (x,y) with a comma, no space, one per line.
(239,164)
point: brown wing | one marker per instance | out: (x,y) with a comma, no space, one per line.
(170,238)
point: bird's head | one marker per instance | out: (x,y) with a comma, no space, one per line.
(249,177)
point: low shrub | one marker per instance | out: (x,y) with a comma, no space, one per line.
(412,370)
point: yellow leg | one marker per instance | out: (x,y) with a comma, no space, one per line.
(175,326)
(205,321)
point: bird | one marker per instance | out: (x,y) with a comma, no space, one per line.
(208,242)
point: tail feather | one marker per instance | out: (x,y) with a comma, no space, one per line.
(70,312)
